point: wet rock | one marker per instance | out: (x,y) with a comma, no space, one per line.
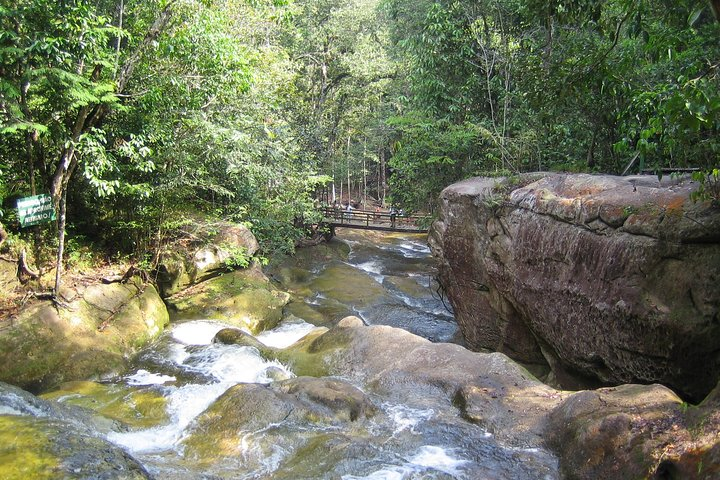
(603,279)
(131,407)
(94,336)
(202,251)
(244,298)
(277,374)
(396,364)
(234,336)
(253,407)
(40,439)
(622,432)
(330,399)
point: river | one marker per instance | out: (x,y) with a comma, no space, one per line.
(382,279)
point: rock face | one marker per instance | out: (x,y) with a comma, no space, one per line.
(598,278)
(253,407)
(634,431)
(202,253)
(44,346)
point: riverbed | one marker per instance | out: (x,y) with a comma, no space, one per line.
(168,404)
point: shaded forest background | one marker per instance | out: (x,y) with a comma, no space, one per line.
(139,116)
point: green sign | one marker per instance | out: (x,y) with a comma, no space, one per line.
(35,210)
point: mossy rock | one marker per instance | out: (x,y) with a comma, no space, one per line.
(40,448)
(45,346)
(132,406)
(242,298)
(408,286)
(252,407)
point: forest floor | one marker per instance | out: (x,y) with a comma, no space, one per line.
(17,293)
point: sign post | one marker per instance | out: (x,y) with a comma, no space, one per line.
(35,210)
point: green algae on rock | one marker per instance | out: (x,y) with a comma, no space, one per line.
(41,448)
(94,336)
(223,428)
(243,298)
(133,407)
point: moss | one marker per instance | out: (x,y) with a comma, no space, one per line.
(238,298)
(45,346)
(24,450)
(134,407)
(311,356)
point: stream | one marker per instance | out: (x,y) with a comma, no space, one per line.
(382,279)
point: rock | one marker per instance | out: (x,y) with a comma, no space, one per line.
(101,328)
(247,408)
(39,439)
(604,280)
(234,336)
(332,400)
(201,253)
(243,298)
(634,431)
(131,407)
(488,389)
(629,431)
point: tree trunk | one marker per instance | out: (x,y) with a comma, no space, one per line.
(591,152)
(715,6)
(61,243)
(3,234)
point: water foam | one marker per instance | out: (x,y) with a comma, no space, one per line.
(227,365)
(143,377)
(286,334)
(429,458)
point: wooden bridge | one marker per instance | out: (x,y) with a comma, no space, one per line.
(382,221)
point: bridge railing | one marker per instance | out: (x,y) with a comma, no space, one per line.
(380,219)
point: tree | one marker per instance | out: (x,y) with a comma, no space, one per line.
(58,85)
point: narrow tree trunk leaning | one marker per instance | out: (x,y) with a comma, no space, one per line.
(3,234)
(715,6)
(61,244)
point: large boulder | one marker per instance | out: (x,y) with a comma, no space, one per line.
(223,428)
(629,431)
(44,440)
(635,431)
(604,280)
(202,251)
(489,390)
(92,336)
(243,298)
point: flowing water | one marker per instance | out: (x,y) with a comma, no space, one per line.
(381,279)
(385,279)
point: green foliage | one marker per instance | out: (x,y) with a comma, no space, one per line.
(238,258)
(572,85)
(245,109)
(709,189)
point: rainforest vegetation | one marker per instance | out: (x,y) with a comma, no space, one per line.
(136,116)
